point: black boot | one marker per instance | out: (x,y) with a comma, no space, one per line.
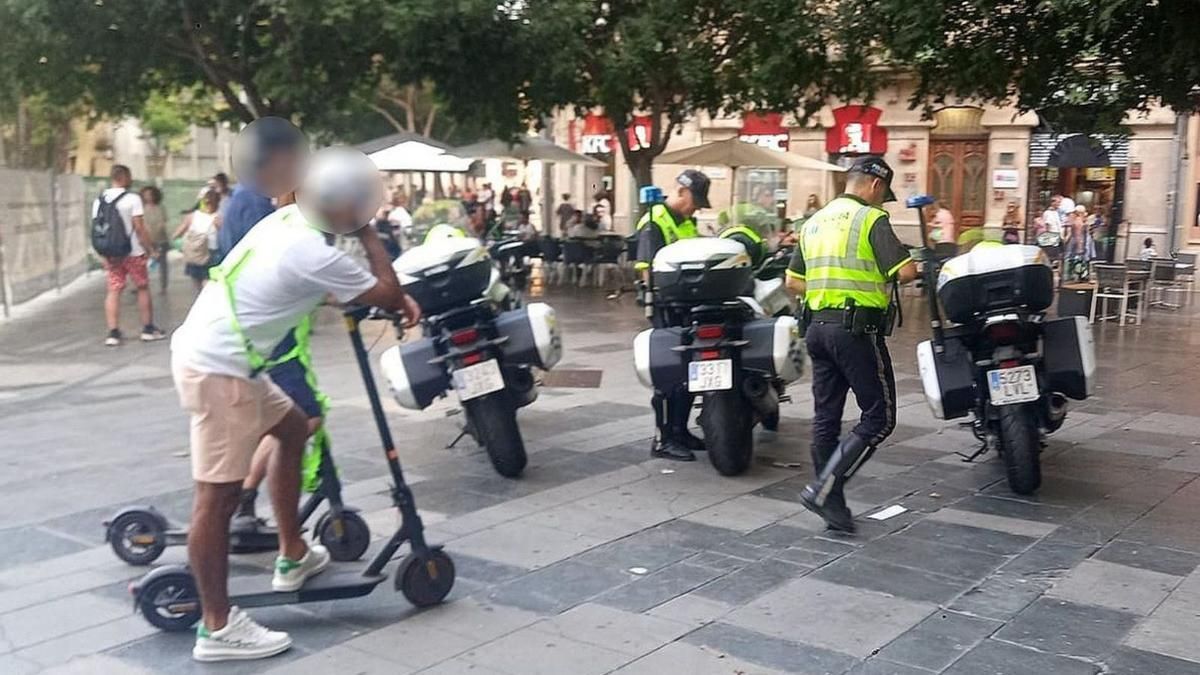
(670,448)
(679,408)
(245,519)
(824,496)
(687,439)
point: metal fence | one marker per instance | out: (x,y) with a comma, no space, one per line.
(43,234)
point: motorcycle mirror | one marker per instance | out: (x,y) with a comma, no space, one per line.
(918,201)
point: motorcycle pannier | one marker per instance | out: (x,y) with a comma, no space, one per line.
(1069,356)
(445,273)
(948,379)
(701,270)
(414,380)
(532,336)
(659,365)
(774,348)
(993,277)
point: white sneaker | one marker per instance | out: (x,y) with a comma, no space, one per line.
(241,639)
(290,574)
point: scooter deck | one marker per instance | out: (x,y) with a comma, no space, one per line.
(332,584)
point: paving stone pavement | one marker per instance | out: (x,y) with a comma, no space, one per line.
(600,559)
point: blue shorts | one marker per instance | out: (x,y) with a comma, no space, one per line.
(290,377)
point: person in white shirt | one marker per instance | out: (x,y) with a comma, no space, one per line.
(132,266)
(267,284)
(199,232)
(1050,217)
(1065,206)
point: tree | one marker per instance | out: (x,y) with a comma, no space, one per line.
(663,59)
(1081,64)
(296,58)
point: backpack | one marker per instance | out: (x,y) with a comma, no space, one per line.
(109,237)
(195,248)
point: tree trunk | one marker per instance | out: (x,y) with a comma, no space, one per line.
(641,165)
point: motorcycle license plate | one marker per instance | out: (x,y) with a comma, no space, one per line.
(1012,385)
(478,380)
(715,375)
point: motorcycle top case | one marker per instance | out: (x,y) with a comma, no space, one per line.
(701,270)
(658,364)
(948,379)
(775,348)
(412,376)
(1069,356)
(533,336)
(445,273)
(993,277)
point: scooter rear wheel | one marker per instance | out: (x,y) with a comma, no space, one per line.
(170,602)
(425,580)
(137,537)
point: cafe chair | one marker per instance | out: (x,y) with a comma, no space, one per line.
(1115,282)
(552,262)
(577,260)
(1185,271)
(1163,283)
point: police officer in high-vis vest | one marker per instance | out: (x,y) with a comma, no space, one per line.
(846,258)
(666,223)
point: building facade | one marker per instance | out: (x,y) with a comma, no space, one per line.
(979,161)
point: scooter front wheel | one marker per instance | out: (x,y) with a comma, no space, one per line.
(425,580)
(137,537)
(348,542)
(170,602)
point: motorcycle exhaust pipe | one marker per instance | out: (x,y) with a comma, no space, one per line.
(761,395)
(521,385)
(1056,410)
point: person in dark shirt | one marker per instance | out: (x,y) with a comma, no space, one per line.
(265,159)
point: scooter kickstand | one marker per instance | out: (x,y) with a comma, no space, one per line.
(459,437)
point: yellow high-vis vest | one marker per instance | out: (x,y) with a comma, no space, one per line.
(839,263)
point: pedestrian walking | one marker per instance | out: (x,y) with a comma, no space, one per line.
(565,212)
(602,207)
(199,233)
(1051,219)
(155,217)
(848,254)
(124,208)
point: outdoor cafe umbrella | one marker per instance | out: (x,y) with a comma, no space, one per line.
(419,157)
(736,153)
(525,149)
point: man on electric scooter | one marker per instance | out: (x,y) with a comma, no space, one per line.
(273,279)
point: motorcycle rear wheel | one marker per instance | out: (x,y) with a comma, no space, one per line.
(728,425)
(493,420)
(1019,447)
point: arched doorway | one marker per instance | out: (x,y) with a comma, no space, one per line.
(958,145)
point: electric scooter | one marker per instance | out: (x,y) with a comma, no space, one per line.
(167,596)
(139,534)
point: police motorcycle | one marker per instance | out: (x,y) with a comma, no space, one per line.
(997,357)
(473,342)
(717,345)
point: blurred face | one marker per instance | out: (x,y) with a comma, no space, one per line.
(875,192)
(1056,201)
(765,199)
(211,201)
(280,173)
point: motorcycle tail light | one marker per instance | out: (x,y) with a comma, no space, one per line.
(1004,333)
(1010,363)
(708,354)
(713,332)
(472,359)
(464,337)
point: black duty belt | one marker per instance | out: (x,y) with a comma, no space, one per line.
(829,315)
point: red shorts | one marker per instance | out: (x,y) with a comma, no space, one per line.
(133,266)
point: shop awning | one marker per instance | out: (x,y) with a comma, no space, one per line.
(1078,150)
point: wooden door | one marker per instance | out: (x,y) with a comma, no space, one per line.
(958,178)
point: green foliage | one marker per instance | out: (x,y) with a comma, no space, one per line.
(167,118)
(438,211)
(1081,64)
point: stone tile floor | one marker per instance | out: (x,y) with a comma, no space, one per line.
(602,560)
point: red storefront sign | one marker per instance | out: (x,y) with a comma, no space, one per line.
(856,131)
(765,130)
(599,134)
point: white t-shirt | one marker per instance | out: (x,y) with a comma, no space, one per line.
(129,206)
(289,273)
(1065,208)
(1052,221)
(206,224)
(400,217)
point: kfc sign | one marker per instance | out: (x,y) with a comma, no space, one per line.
(764,130)
(856,131)
(599,134)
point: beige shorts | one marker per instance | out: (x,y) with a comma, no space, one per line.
(230,415)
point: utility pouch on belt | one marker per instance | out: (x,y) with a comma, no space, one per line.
(866,321)
(804,316)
